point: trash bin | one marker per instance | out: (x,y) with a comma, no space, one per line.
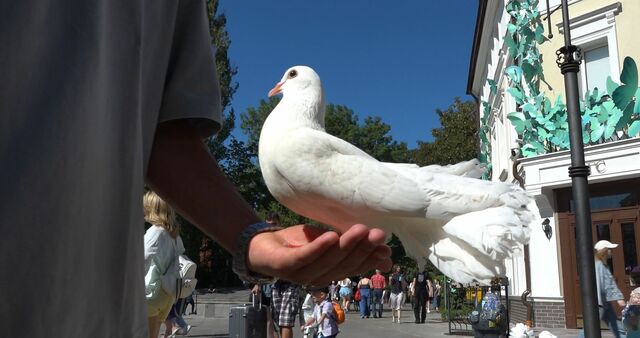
(489,319)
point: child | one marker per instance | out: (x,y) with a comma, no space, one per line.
(323,314)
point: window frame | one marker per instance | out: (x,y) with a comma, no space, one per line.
(593,30)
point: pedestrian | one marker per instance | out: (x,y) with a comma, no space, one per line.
(106,97)
(262,293)
(190,301)
(308,306)
(429,294)
(175,323)
(285,303)
(364,285)
(378,282)
(436,295)
(608,291)
(324,316)
(420,294)
(333,291)
(410,294)
(162,247)
(355,291)
(397,282)
(345,293)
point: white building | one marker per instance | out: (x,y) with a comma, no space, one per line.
(607,33)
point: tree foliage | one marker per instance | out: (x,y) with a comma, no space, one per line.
(457,138)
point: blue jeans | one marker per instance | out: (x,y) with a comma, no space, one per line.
(609,316)
(364,302)
(377,302)
(176,313)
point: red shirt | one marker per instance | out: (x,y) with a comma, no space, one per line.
(378,281)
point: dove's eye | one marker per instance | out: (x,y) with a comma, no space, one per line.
(293,74)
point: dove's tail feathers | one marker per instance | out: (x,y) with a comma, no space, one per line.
(452,256)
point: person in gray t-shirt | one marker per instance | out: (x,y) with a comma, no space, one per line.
(97,98)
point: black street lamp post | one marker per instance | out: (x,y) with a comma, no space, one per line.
(569,58)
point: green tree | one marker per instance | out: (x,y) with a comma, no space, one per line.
(372,136)
(457,138)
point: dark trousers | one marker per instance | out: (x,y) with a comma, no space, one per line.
(420,306)
(377,302)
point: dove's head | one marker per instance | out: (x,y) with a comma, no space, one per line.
(298,79)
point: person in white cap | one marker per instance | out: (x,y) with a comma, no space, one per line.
(608,291)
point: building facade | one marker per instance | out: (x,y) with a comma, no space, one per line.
(519,89)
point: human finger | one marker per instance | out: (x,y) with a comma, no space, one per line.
(320,265)
(344,261)
(282,252)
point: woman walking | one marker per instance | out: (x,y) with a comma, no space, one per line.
(364,285)
(345,293)
(162,247)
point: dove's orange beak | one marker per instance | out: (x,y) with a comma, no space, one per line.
(276,90)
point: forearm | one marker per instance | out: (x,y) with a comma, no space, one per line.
(182,172)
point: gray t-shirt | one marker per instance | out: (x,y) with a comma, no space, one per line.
(83,85)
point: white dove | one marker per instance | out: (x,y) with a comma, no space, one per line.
(464,225)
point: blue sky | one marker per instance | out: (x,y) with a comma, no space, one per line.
(398,60)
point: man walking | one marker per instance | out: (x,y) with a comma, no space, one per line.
(284,304)
(378,282)
(420,294)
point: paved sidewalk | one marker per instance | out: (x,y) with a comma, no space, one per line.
(355,327)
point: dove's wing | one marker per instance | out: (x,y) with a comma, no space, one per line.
(472,168)
(317,164)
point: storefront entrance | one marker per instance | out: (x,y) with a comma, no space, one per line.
(615,217)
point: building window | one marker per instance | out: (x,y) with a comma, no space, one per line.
(595,34)
(596,69)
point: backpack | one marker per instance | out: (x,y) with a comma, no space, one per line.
(187,281)
(338,312)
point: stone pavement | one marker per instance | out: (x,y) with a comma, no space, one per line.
(353,327)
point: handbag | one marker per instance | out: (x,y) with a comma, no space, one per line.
(187,281)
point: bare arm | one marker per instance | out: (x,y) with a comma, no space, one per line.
(182,172)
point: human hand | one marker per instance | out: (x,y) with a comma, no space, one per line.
(255,289)
(621,303)
(310,256)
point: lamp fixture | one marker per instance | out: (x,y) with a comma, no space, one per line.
(547,229)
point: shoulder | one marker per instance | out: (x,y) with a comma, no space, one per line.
(155,235)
